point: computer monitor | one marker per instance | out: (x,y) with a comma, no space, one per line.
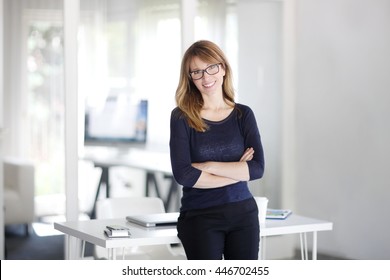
(121,121)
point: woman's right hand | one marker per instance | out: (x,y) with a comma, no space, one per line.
(248,154)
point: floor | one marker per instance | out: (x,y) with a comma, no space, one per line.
(42,242)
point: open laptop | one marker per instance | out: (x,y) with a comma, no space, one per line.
(154,220)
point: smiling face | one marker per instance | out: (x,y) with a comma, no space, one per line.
(208,84)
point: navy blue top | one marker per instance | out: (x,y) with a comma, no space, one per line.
(224,141)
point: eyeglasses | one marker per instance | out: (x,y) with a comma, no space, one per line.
(211,70)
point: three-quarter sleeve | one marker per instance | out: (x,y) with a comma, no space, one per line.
(180,151)
(252,139)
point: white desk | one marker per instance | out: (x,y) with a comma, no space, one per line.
(296,224)
(92,231)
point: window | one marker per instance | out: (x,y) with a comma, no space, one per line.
(217,21)
(43,128)
(133,52)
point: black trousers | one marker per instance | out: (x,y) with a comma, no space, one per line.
(229,231)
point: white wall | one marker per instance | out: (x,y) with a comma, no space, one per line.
(259,84)
(334,109)
(342,129)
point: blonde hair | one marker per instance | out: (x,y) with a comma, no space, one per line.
(188,98)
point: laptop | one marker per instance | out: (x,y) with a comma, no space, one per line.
(154,220)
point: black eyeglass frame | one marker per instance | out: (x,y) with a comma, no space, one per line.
(205,70)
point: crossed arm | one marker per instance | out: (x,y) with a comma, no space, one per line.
(219,174)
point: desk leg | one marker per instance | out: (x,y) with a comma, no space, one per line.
(67,247)
(304,247)
(73,248)
(314,253)
(151,181)
(113,254)
(151,178)
(172,194)
(303,239)
(82,249)
(104,179)
(263,242)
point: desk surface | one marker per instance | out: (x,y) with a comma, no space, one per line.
(148,158)
(92,231)
(294,224)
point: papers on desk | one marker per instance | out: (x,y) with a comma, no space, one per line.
(278,214)
(117,231)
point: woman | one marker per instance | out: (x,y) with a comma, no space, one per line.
(215,149)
